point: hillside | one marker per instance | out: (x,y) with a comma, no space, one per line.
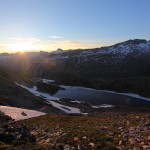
(105,131)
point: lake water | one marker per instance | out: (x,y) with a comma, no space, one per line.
(100,97)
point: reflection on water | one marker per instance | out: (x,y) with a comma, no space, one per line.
(100,97)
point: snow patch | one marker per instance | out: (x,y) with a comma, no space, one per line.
(103,106)
(76,102)
(67,109)
(37,93)
(135,96)
(48,81)
(142,45)
(49,99)
(17,113)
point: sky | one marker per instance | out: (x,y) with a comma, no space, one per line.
(71,24)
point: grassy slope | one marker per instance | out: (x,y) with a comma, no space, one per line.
(102,130)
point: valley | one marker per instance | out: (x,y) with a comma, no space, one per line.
(78,99)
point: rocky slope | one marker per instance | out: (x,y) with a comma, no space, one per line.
(107,130)
(12,133)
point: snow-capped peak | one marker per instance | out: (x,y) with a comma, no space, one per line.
(130,46)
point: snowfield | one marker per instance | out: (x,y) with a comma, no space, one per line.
(103,106)
(49,99)
(19,113)
(65,108)
(37,93)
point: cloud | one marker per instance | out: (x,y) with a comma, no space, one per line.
(30,39)
(55,37)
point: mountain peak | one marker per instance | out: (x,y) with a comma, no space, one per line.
(141,45)
(58,51)
(135,41)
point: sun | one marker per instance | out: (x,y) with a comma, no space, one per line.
(21,47)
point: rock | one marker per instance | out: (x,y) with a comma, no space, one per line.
(6,137)
(136,148)
(110,133)
(67,147)
(48,140)
(146,147)
(147,123)
(132,128)
(131,141)
(79,147)
(120,128)
(5,118)
(19,133)
(91,144)
(137,117)
(120,142)
(148,138)
(76,139)
(34,132)
(142,143)
(127,122)
(146,116)
(60,147)
(24,114)
(119,147)
(31,138)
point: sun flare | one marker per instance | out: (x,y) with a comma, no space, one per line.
(22,47)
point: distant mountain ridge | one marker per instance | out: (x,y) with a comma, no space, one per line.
(123,67)
(129,58)
(131,54)
(122,48)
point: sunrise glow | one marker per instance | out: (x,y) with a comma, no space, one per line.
(22,47)
(49,25)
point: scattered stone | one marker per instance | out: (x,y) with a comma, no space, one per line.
(136,148)
(146,147)
(148,138)
(91,144)
(19,133)
(120,142)
(137,117)
(48,140)
(76,139)
(147,123)
(131,141)
(119,147)
(124,132)
(23,114)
